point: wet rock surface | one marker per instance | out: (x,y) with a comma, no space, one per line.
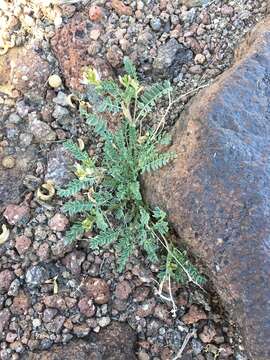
(217,190)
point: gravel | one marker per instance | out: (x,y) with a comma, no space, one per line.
(51,292)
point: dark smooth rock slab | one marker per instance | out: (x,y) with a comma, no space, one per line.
(217,191)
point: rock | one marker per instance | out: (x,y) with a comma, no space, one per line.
(36,275)
(208,334)
(17,214)
(81,330)
(121,8)
(73,261)
(162,313)
(43,251)
(6,278)
(194,3)
(70,45)
(60,113)
(11,337)
(21,304)
(95,34)
(166,354)
(226,351)
(194,315)
(217,190)
(58,222)
(61,99)
(146,309)
(199,59)
(41,131)
(115,342)
(55,301)
(11,179)
(115,56)
(170,58)
(87,307)
(155,24)
(123,290)
(22,244)
(142,355)
(95,13)
(59,166)
(227,10)
(48,315)
(22,69)
(61,248)
(97,289)
(104,321)
(56,324)
(4,320)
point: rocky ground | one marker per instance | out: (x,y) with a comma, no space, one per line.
(51,293)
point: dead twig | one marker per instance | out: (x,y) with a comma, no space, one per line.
(185,342)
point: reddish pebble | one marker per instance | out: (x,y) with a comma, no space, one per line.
(11,337)
(123,290)
(58,222)
(166,354)
(43,251)
(227,10)
(55,301)
(6,278)
(146,308)
(22,244)
(17,214)
(97,289)
(121,8)
(87,307)
(208,334)
(95,13)
(194,315)
(21,304)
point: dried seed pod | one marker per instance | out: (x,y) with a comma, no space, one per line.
(4,235)
(4,49)
(81,144)
(72,101)
(46,191)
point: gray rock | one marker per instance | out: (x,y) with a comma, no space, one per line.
(14,118)
(59,166)
(217,190)
(60,112)
(41,130)
(170,58)
(36,276)
(61,99)
(194,3)
(155,24)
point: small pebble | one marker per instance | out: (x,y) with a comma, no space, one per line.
(8,162)
(55,81)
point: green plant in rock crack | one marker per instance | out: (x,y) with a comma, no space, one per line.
(112,206)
